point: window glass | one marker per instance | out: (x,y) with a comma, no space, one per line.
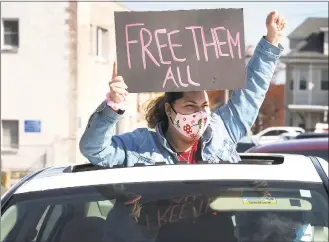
(102,42)
(10,33)
(273,133)
(173,211)
(270,133)
(303,78)
(10,134)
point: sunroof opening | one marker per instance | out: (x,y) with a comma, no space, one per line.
(249,160)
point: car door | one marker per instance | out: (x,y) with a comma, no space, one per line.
(271,136)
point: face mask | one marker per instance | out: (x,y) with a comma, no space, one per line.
(191,125)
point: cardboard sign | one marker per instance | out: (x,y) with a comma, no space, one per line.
(186,50)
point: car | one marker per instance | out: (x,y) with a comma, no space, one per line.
(288,136)
(262,195)
(308,147)
(306,135)
(273,134)
(321,128)
(246,143)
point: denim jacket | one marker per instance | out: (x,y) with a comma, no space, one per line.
(229,123)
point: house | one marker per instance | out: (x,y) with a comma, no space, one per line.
(56,63)
(271,112)
(306,90)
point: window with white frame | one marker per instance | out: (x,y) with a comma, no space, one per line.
(303,77)
(9,34)
(10,134)
(102,49)
(324,80)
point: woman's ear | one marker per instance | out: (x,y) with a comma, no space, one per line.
(168,109)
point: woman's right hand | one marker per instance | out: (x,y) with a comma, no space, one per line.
(118,88)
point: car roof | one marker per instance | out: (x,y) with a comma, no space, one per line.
(295,144)
(280,170)
(283,128)
(312,134)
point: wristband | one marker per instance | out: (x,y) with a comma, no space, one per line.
(115,106)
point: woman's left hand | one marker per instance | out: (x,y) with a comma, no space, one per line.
(275,24)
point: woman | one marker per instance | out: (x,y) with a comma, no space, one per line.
(267,226)
(186,130)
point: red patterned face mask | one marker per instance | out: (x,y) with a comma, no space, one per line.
(191,125)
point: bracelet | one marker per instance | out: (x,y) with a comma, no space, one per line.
(115,106)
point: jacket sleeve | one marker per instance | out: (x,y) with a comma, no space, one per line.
(99,145)
(241,111)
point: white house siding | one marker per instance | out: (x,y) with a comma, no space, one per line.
(34,81)
(313,96)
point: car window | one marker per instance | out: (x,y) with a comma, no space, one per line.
(271,133)
(279,132)
(275,132)
(41,223)
(171,211)
(105,206)
(51,220)
(10,217)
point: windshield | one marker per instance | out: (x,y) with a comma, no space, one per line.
(173,211)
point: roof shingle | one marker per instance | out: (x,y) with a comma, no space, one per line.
(309,26)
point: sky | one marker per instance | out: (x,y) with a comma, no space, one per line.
(254,13)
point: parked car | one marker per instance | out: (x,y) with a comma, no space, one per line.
(205,202)
(288,136)
(272,134)
(306,135)
(321,128)
(246,143)
(308,147)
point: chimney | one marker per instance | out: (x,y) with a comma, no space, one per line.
(325,40)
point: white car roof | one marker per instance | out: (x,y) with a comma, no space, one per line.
(287,128)
(294,168)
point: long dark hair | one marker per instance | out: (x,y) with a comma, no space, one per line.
(155,111)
